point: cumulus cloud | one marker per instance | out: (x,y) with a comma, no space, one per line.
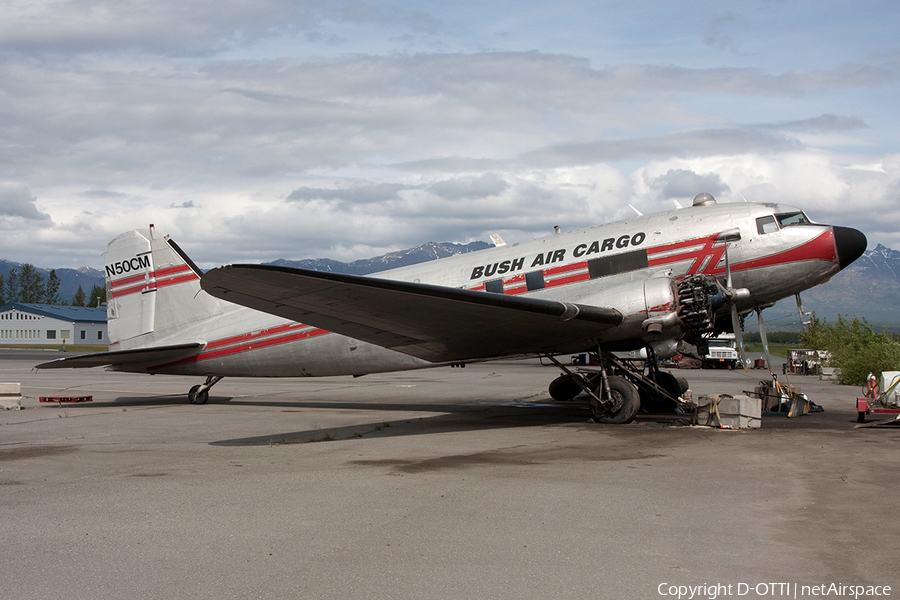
(244,117)
(376,192)
(167,27)
(684,183)
(714,142)
(17,201)
(821,123)
(457,188)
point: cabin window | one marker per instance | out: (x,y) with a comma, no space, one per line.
(534,280)
(494,285)
(766,224)
(792,218)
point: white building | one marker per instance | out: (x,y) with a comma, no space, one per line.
(43,324)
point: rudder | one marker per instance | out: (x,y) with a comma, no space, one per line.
(152,290)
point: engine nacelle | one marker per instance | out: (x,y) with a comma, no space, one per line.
(659,311)
(649,308)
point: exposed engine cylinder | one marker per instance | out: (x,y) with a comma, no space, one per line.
(699,296)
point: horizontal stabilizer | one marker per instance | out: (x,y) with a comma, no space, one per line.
(435,323)
(129,358)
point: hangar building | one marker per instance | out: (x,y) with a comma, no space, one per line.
(43,324)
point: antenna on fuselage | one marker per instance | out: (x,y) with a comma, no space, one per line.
(639,213)
(498,241)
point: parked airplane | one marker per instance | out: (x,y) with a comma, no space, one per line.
(646,282)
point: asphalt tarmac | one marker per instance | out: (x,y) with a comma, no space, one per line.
(444,483)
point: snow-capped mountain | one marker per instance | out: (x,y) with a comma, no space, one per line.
(869,288)
(391,260)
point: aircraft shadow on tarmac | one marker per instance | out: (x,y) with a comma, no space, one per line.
(475,416)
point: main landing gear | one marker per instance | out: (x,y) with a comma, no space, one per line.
(616,390)
(199,394)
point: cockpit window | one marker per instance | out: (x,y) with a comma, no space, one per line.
(792,218)
(766,224)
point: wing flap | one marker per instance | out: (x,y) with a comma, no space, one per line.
(431,322)
(126,358)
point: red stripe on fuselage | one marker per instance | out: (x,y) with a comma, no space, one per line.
(123,281)
(151,281)
(700,248)
(246,346)
(245,337)
(565,268)
(703,253)
(819,248)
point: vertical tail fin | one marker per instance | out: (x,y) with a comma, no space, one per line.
(152,290)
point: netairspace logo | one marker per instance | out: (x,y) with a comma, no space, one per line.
(771,590)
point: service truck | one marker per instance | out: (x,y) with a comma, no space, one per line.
(721,352)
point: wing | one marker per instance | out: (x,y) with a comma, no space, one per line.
(125,358)
(435,323)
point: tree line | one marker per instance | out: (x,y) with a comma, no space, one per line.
(774,337)
(856,349)
(29,287)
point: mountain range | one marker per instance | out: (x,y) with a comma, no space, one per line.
(86,277)
(869,288)
(69,279)
(391,260)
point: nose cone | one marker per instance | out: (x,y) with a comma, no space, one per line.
(850,244)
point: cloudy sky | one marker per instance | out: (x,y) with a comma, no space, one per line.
(265,129)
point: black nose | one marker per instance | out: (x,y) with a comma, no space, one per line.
(850,244)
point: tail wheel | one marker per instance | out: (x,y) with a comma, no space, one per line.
(195,396)
(624,403)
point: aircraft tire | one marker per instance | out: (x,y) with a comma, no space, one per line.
(564,388)
(195,396)
(192,395)
(659,404)
(626,399)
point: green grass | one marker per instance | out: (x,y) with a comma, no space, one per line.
(781,350)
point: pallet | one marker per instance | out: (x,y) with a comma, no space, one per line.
(65,399)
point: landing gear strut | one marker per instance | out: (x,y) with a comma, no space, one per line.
(623,402)
(660,391)
(617,397)
(612,399)
(199,394)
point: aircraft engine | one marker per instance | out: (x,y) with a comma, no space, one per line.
(699,297)
(660,311)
